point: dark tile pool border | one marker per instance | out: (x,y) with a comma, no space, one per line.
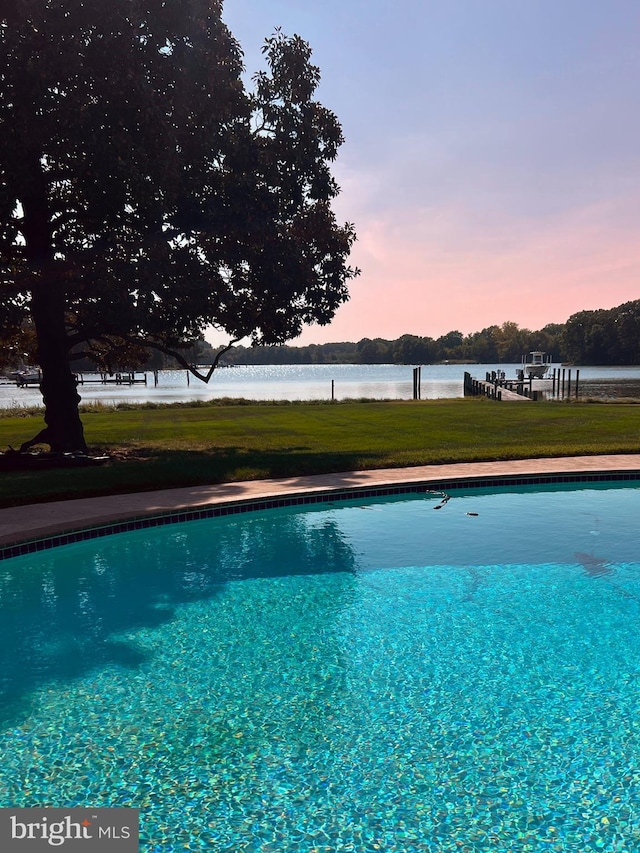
(196,513)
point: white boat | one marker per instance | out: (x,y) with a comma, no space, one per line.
(536,365)
(22,378)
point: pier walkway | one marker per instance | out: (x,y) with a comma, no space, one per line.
(499,388)
(505,390)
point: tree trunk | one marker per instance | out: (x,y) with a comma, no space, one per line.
(64,432)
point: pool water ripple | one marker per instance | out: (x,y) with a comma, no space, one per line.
(326,680)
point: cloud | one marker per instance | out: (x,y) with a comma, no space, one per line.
(491,156)
(427,271)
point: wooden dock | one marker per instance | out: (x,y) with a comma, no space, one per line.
(499,388)
(507,391)
(120,378)
(29,380)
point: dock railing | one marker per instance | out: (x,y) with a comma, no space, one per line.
(494,383)
(477,388)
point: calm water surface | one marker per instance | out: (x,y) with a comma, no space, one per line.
(313,382)
(364,677)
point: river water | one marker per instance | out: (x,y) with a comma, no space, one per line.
(319,381)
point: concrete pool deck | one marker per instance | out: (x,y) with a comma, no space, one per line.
(39,521)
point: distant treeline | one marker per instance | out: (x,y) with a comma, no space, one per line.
(589,337)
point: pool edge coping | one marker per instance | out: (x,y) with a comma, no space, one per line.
(404,481)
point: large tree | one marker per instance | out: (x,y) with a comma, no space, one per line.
(145,195)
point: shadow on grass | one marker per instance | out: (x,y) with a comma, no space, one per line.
(150,469)
(87,608)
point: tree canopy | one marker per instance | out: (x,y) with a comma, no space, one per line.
(605,336)
(146,195)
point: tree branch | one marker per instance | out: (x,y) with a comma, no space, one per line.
(204,377)
(147,344)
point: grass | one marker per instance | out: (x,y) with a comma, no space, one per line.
(180,445)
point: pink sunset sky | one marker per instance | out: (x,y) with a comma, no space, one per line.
(492,155)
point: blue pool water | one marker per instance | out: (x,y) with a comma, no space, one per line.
(360,677)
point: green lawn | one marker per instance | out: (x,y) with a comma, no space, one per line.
(181,445)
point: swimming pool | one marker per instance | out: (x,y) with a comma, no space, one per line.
(367,676)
